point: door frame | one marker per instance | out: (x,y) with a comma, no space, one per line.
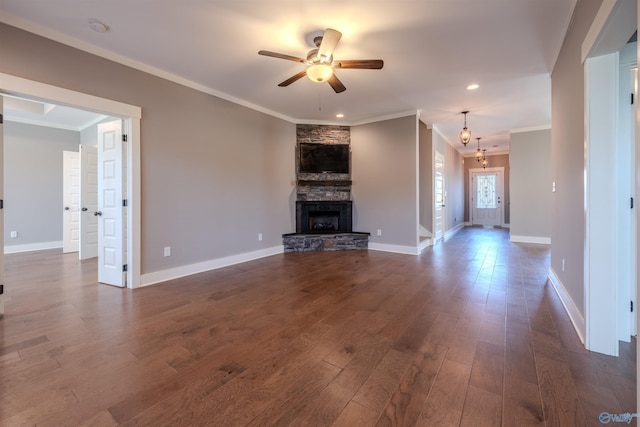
(500,171)
(131,116)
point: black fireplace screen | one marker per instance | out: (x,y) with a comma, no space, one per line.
(323,217)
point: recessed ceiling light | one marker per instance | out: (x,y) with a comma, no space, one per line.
(473,87)
(339,115)
(98,26)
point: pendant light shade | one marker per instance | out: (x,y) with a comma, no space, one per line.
(484,161)
(465,133)
(479,153)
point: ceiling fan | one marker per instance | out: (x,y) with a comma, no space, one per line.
(320,62)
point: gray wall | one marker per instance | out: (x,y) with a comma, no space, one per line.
(384,174)
(214,174)
(33,182)
(426,176)
(567,155)
(453,181)
(530,180)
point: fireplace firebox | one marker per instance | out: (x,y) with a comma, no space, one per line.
(321,217)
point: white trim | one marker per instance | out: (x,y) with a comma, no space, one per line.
(30,247)
(200,267)
(18,86)
(131,114)
(530,239)
(398,249)
(450,232)
(577,319)
(425,244)
(530,129)
(567,24)
(610,29)
(375,119)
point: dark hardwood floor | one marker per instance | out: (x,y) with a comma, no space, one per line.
(469,333)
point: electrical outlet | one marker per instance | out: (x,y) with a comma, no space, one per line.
(167,251)
(14,234)
(259,237)
(379,232)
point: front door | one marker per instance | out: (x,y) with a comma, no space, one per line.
(486,198)
(110,204)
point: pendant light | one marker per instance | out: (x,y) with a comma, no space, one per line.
(485,162)
(479,153)
(465,134)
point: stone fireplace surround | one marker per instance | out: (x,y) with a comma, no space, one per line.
(323,200)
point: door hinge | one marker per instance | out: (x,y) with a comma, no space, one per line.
(124,138)
(1,289)
(632,306)
(124,268)
(124,203)
(632,98)
(1,204)
(1,119)
(632,203)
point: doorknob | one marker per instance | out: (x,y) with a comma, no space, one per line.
(97,213)
(66,208)
(84,209)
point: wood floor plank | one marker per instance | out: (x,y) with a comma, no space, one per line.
(481,409)
(406,403)
(447,337)
(445,402)
(559,395)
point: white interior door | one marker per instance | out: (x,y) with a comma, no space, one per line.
(110,209)
(486,198)
(1,208)
(88,201)
(71,201)
(438,198)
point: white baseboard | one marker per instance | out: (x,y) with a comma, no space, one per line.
(30,247)
(425,244)
(450,232)
(200,267)
(530,239)
(383,247)
(577,319)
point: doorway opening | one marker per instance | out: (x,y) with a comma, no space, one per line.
(130,117)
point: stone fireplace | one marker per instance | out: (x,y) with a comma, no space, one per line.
(324,209)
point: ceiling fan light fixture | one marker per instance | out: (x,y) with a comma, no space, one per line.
(319,72)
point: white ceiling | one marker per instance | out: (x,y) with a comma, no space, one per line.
(432,50)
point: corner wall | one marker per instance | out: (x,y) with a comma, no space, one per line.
(567,157)
(384,174)
(531,188)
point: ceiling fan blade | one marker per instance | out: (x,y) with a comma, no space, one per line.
(294,78)
(369,64)
(336,84)
(280,55)
(330,40)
